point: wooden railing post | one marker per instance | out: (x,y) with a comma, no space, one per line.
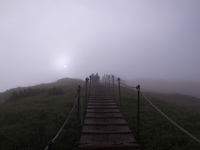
(90,85)
(109,83)
(119,92)
(113,86)
(86,91)
(78,115)
(106,80)
(138,113)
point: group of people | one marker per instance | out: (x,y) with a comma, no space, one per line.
(95,78)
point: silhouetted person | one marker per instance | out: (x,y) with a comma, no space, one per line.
(95,78)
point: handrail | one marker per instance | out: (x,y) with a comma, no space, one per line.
(48,147)
(107,77)
(168,118)
(128,86)
(79,97)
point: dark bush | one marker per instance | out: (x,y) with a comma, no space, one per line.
(24,93)
(55,91)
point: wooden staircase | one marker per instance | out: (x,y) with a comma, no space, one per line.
(104,126)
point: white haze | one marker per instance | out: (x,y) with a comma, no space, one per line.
(45,40)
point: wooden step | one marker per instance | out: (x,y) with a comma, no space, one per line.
(104,127)
(104,115)
(102,107)
(106,132)
(131,146)
(101,101)
(101,104)
(104,124)
(102,111)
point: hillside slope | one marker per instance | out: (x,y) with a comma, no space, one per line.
(191,88)
(31,122)
(61,82)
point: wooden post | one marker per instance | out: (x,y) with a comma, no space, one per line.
(78,117)
(90,86)
(86,91)
(109,83)
(113,86)
(138,113)
(119,92)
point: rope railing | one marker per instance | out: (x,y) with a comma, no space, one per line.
(169,119)
(106,80)
(80,100)
(163,114)
(49,146)
(128,86)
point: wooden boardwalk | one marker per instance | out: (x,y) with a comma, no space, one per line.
(104,126)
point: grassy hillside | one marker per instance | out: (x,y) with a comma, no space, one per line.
(184,101)
(156,131)
(31,121)
(191,88)
(62,82)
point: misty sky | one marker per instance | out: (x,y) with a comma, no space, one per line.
(44,40)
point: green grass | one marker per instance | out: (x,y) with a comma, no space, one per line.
(156,132)
(31,122)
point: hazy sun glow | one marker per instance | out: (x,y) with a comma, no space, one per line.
(62,63)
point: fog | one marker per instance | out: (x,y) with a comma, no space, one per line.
(42,41)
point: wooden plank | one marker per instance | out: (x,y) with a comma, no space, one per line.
(104,117)
(94,120)
(100,139)
(128,139)
(104,126)
(87,139)
(102,107)
(100,101)
(114,139)
(110,120)
(118,120)
(101,98)
(113,114)
(106,147)
(94,128)
(102,110)
(105,132)
(112,128)
(88,123)
(102,104)
(123,128)
(94,115)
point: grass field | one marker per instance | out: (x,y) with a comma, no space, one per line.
(155,131)
(31,122)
